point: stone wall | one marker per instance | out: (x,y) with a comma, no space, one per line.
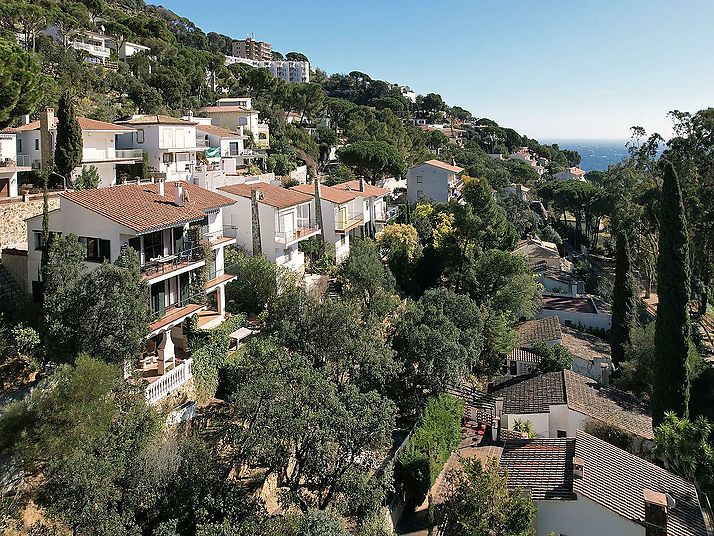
(14,212)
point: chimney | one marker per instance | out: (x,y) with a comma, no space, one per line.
(578,468)
(47,123)
(255,196)
(656,506)
(160,182)
(361,184)
(605,374)
(190,115)
(179,193)
(26,119)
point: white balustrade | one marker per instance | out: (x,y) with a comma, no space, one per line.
(169,382)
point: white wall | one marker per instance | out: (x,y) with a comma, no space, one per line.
(591,320)
(540,422)
(434,183)
(581,517)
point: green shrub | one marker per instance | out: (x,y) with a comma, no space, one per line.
(437,435)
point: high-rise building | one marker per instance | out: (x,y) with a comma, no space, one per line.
(252,49)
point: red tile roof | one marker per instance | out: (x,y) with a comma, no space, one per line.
(572,305)
(333,194)
(84,123)
(373,191)
(217,131)
(157,120)
(444,165)
(141,208)
(274,196)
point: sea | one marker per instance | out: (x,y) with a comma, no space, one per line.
(596,155)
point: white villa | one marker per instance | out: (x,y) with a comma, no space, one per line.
(284,219)
(169,142)
(434,179)
(343,214)
(294,72)
(10,163)
(571,174)
(375,204)
(233,113)
(167,224)
(221,144)
(524,154)
(36,145)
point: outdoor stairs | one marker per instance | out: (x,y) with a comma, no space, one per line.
(11,293)
(334,288)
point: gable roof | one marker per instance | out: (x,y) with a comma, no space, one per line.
(370,190)
(84,123)
(274,196)
(525,356)
(608,404)
(536,248)
(157,120)
(617,479)
(215,130)
(444,165)
(533,393)
(141,208)
(542,329)
(329,193)
(584,345)
(543,465)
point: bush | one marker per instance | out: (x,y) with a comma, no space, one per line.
(437,435)
(524,425)
(256,285)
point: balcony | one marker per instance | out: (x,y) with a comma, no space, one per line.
(129,154)
(347,222)
(221,238)
(305,229)
(13,165)
(95,50)
(164,384)
(157,267)
(23,160)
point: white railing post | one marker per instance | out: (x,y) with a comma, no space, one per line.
(169,382)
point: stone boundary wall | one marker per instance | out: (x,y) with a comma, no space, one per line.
(13,213)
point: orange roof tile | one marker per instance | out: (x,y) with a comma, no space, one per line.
(333,194)
(157,120)
(373,191)
(444,165)
(274,196)
(141,208)
(217,131)
(84,123)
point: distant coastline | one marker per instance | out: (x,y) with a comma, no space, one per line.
(596,155)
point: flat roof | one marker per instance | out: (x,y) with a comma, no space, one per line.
(568,304)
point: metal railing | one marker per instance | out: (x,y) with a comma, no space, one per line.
(168,263)
(350,220)
(169,382)
(129,153)
(23,160)
(304,229)
(392,212)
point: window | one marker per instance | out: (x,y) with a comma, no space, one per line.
(153,245)
(140,136)
(420,179)
(37,144)
(96,249)
(39,244)
(168,158)
(19,145)
(562,433)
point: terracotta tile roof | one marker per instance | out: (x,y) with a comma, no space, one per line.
(444,165)
(525,356)
(370,190)
(329,193)
(584,345)
(141,208)
(608,404)
(544,466)
(226,109)
(157,120)
(217,131)
(548,272)
(617,479)
(542,329)
(84,123)
(274,196)
(572,305)
(532,393)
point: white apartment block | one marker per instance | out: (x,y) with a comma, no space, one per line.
(234,113)
(169,142)
(101,49)
(295,72)
(10,164)
(36,145)
(435,180)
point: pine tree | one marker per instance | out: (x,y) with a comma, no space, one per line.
(670,390)
(68,148)
(623,303)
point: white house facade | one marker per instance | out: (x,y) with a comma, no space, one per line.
(233,113)
(435,180)
(10,164)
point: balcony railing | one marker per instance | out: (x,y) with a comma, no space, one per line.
(350,220)
(169,263)
(129,153)
(305,229)
(392,212)
(169,382)
(23,160)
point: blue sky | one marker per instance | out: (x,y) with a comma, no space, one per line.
(548,68)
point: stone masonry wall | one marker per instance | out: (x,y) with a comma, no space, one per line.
(13,215)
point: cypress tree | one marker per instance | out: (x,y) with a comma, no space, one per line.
(623,303)
(670,390)
(68,146)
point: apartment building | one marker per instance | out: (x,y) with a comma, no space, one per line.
(169,142)
(435,180)
(36,145)
(100,49)
(252,49)
(10,164)
(271,220)
(235,113)
(294,72)
(168,225)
